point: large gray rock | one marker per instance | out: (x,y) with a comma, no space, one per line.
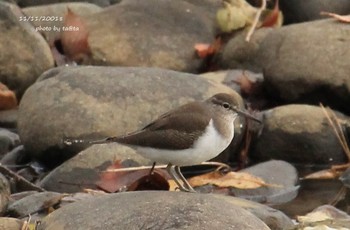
(306,62)
(24,52)
(298,134)
(84,170)
(140,34)
(296,69)
(152,210)
(95,102)
(239,54)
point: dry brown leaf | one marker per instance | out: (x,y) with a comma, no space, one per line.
(8,99)
(341,18)
(205,50)
(131,180)
(232,179)
(324,174)
(74,37)
(274,17)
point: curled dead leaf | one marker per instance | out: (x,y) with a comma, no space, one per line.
(8,99)
(114,181)
(324,174)
(74,37)
(205,50)
(240,180)
(273,18)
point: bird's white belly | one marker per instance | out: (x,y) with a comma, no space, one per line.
(205,148)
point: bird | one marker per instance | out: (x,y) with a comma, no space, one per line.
(187,135)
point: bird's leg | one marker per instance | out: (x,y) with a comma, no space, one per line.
(173,175)
(187,185)
(152,169)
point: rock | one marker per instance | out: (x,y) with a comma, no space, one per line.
(31,204)
(325,217)
(239,54)
(290,76)
(15,156)
(9,223)
(295,11)
(95,102)
(156,210)
(8,118)
(20,195)
(27,3)
(24,52)
(298,134)
(158,46)
(304,78)
(8,140)
(4,193)
(58,12)
(285,182)
(83,170)
(271,217)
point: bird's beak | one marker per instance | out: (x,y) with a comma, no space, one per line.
(246,114)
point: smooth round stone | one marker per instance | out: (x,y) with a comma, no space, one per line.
(157,47)
(24,52)
(96,102)
(298,134)
(152,210)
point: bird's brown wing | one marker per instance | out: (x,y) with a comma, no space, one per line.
(176,130)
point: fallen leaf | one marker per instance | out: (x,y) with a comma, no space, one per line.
(74,37)
(8,99)
(202,49)
(231,179)
(132,180)
(205,50)
(341,18)
(324,174)
(273,18)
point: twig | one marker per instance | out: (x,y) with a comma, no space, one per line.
(26,185)
(219,164)
(337,130)
(256,20)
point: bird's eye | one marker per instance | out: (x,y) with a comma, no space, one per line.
(226,105)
